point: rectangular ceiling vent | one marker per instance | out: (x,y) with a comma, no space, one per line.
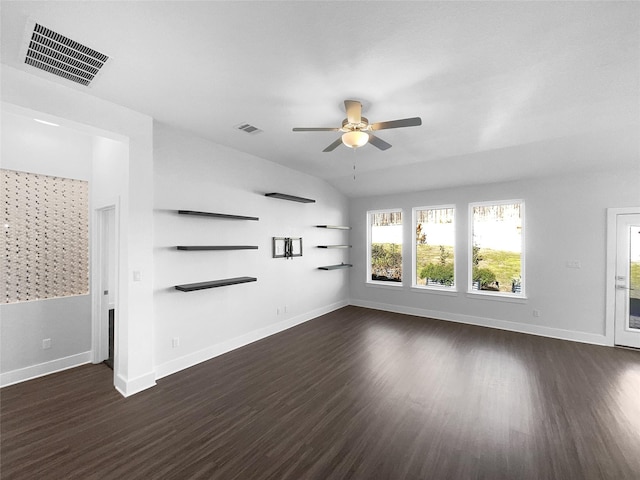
(248,128)
(57,54)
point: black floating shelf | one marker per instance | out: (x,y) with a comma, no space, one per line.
(217,247)
(216,215)
(334,246)
(190,287)
(335,227)
(335,267)
(284,196)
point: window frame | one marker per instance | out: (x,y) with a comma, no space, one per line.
(414,252)
(488,293)
(369,281)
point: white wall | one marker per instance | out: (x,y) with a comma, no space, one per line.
(565,220)
(110,178)
(23,326)
(193,174)
(109,171)
(56,151)
(134,325)
(33,147)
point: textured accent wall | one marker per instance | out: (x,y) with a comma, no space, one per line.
(45,241)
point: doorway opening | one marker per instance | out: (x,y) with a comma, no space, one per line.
(107,284)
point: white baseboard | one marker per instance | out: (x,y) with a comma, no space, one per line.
(136,385)
(208,353)
(539,330)
(46,368)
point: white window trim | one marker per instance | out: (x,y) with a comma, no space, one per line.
(378,284)
(488,294)
(498,296)
(368,261)
(414,251)
(447,291)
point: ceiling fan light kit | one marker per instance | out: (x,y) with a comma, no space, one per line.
(356,128)
(355,138)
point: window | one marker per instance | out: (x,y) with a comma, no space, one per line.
(385,246)
(497,239)
(434,264)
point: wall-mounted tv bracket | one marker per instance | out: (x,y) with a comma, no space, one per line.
(287,247)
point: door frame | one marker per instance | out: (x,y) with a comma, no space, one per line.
(98,325)
(610,280)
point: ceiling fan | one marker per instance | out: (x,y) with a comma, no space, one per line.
(357,131)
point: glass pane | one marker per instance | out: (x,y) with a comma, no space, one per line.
(435,237)
(497,248)
(386,246)
(634,277)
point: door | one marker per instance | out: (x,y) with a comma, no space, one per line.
(627,280)
(107,283)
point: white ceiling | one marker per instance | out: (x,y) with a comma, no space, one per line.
(505,90)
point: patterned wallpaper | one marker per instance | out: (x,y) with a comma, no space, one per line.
(45,238)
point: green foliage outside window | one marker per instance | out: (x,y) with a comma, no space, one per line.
(386,262)
(484,277)
(441,272)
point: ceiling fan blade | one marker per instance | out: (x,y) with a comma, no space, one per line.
(334,145)
(315,129)
(405,122)
(378,142)
(354,111)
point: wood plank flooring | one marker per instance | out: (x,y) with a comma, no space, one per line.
(355,394)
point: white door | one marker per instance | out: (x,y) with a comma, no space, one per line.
(107,280)
(627,280)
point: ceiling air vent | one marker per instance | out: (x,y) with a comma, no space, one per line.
(57,54)
(248,128)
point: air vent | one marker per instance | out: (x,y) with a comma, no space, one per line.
(61,56)
(248,128)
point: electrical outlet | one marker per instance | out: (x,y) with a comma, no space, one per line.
(536,312)
(277,310)
(46,344)
(574,264)
(285,309)
(175,342)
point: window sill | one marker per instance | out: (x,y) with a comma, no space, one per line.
(452,292)
(390,285)
(500,297)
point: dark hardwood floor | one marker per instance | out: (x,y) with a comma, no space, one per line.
(358,394)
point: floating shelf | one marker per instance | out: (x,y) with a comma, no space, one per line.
(335,227)
(334,246)
(190,287)
(216,215)
(284,196)
(336,267)
(217,247)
